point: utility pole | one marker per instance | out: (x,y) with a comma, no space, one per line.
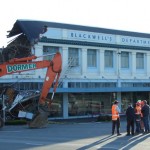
(118,78)
(118,71)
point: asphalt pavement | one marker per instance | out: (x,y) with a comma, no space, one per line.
(71,136)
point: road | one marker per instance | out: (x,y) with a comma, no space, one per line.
(71,136)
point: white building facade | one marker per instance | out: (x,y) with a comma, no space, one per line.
(98,67)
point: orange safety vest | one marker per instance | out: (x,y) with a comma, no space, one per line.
(138,113)
(115,113)
(138,110)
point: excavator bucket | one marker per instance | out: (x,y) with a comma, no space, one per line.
(40,120)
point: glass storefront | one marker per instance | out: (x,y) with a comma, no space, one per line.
(126,98)
(132,97)
(90,104)
(82,104)
(56,109)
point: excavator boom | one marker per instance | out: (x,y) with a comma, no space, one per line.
(54,67)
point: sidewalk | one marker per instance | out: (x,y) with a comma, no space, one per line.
(97,136)
(72,135)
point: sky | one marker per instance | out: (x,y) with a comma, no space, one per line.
(126,15)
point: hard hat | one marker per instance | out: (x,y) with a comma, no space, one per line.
(139,101)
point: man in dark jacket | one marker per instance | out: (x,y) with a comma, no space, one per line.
(146,113)
(130,115)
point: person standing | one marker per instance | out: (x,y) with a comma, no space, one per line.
(130,116)
(138,117)
(142,123)
(146,113)
(115,118)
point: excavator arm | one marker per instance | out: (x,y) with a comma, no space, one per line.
(54,67)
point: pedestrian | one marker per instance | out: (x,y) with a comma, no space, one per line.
(130,116)
(115,118)
(146,113)
(142,123)
(138,117)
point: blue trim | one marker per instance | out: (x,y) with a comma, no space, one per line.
(58,41)
(94,90)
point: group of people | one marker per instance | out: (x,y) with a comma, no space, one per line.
(138,115)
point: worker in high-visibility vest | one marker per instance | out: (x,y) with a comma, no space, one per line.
(138,117)
(115,118)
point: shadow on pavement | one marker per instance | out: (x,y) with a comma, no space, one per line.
(122,142)
(96,143)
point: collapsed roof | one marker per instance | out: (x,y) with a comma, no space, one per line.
(26,34)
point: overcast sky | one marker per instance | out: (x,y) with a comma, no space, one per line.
(128,15)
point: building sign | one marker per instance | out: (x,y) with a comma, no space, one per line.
(20,67)
(91,37)
(108,38)
(134,41)
(57,33)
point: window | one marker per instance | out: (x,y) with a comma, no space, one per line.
(73,56)
(124,59)
(139,60)
(91,84)
(108,59)
(49,50)
(85,104)
(56,108)
(91,58)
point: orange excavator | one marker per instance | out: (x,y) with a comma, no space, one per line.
(54,67)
